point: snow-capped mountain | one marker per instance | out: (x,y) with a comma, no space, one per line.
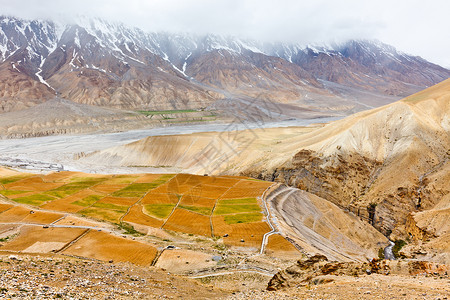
(109,64)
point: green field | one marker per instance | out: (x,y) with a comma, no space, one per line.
(36,199)
(226,209)
(11,192)
(135,190)
(110,206)
(88,201)
(74,187)
(238,201)
(165,112)
(140,189)
(243,218)
(160,211)
(198,209)
(109,215)
(11,179)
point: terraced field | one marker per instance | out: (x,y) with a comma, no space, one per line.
(225,207)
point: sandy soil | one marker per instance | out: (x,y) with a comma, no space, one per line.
(181,261)
(42,277)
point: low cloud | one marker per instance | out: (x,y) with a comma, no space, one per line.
(416,27)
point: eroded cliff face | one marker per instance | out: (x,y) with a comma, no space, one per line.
(359,184)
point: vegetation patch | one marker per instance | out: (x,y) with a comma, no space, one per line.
(110,206)
(165,112)
(397,247)
(86,179)
(88,201)
(5,239)
(163,179)
(36,199)
(135,190)
(129,229)
(11,192)
(10,179)
(224,209)
(161,211)
(243,218)
(74,187)
(198,209)
(238,201)
(109,215)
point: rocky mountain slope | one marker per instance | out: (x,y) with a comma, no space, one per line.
(319,270)
(389,165)
(96,62)
(59,116)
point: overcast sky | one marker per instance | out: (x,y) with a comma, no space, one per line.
(415,27)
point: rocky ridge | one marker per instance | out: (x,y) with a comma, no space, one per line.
(315,269)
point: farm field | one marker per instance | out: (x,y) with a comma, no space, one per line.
(226,210)
(106,247)
(278,246)
(36,239)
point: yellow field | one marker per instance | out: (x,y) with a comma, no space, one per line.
(41,217)
(61,176)
(14,214)
(108,188)
(246,189)
(118,201)
(35,184)
(103,246)
(147,178)
(223,181)
(4,207)
(197,201)
(137,216)
(242,234)
(278,243)
(210,191)
(41,240)
(157,198)
(189,222)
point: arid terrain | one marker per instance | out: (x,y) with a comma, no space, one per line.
(230,233)
(376,164)
(157,165)
(233,235)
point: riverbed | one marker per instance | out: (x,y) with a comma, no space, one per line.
(53,153)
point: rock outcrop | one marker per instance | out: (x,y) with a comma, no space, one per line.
(317,270)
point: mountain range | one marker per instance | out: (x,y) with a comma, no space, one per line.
(96,62)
